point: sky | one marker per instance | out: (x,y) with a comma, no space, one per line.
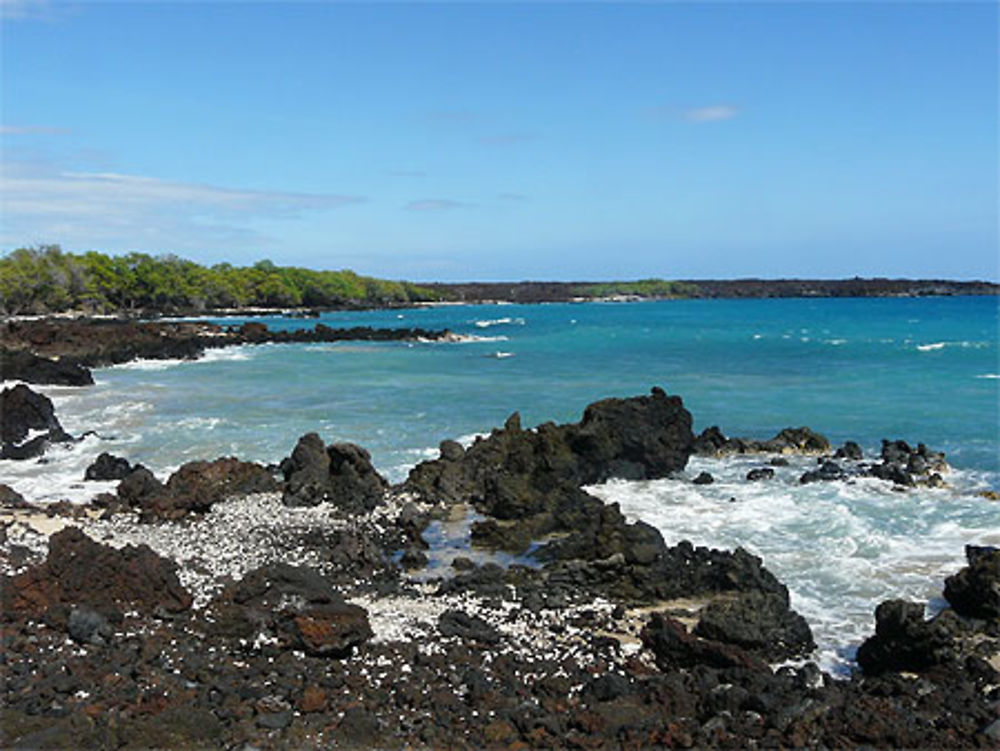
(499,141)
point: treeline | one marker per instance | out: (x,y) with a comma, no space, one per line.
(44,279)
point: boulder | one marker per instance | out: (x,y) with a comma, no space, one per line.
(78,571)
(341,474)
(295,605)
(674,648)
(703,478)
(826,472)
(25,412)
(850,450)
(760,473)
(975,590)
(903,640)
(11,499)
(465,626)
(759,622)
(108,467)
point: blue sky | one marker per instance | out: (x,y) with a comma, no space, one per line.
(495,141)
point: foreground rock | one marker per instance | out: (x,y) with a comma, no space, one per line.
(341,474)
(81,572)
(975,590)
(292,606)
(29,423)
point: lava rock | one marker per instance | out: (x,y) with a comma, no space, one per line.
(22,365)
(87,626)
(471,627)
(297,605)
(674,648)
(759,622)
(79,571)
(903,640)
(828,471)
(703,478)
(850,450)
(760,473)
(25,411)
(108,467)
(341,474)
(975,590)
(11,499)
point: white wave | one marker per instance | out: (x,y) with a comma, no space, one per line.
(965,344)
(482,324)
(836,342)
(225,354)
(840,547)
(199,423)
(467,338)
(931,347)
(989,375)
(758,336)
(148,364)
(498,355)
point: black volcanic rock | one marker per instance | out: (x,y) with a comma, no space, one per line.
(759,622)
(975,590)
(25,411)
(341,474)
(712,442)
(903,640)
(516,473)
(22,365)
(108,467)
(295,605)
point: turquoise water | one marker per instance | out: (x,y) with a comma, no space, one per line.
(919,369)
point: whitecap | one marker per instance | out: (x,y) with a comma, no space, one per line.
(931,347)
(486,323)
(989,375)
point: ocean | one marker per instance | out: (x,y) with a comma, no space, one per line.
(921,369)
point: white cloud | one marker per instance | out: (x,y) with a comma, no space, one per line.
(98,209)
(711,114)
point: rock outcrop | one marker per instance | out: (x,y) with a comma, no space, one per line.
(341,474)
(29,423)
(80,572)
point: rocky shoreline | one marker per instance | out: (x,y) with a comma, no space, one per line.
(308,604)
(61,351)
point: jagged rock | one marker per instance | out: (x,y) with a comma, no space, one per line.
(108,467)
(903,640)
(759,622)
(457,623)
(341,474)
(297,606)
(760,473)
(22,365)
(79,571)
(516,473)
(674,648)
(975,590)
(87,626)
(194,488)
(24,412)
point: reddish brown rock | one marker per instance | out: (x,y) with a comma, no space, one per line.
(79,571)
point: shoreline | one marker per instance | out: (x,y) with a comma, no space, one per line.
(543,635)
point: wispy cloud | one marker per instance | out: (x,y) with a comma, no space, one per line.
(711,114)
(106,208)
(23,10)
(32,130)
(434,204)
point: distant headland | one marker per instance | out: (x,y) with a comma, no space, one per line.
(45,280)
